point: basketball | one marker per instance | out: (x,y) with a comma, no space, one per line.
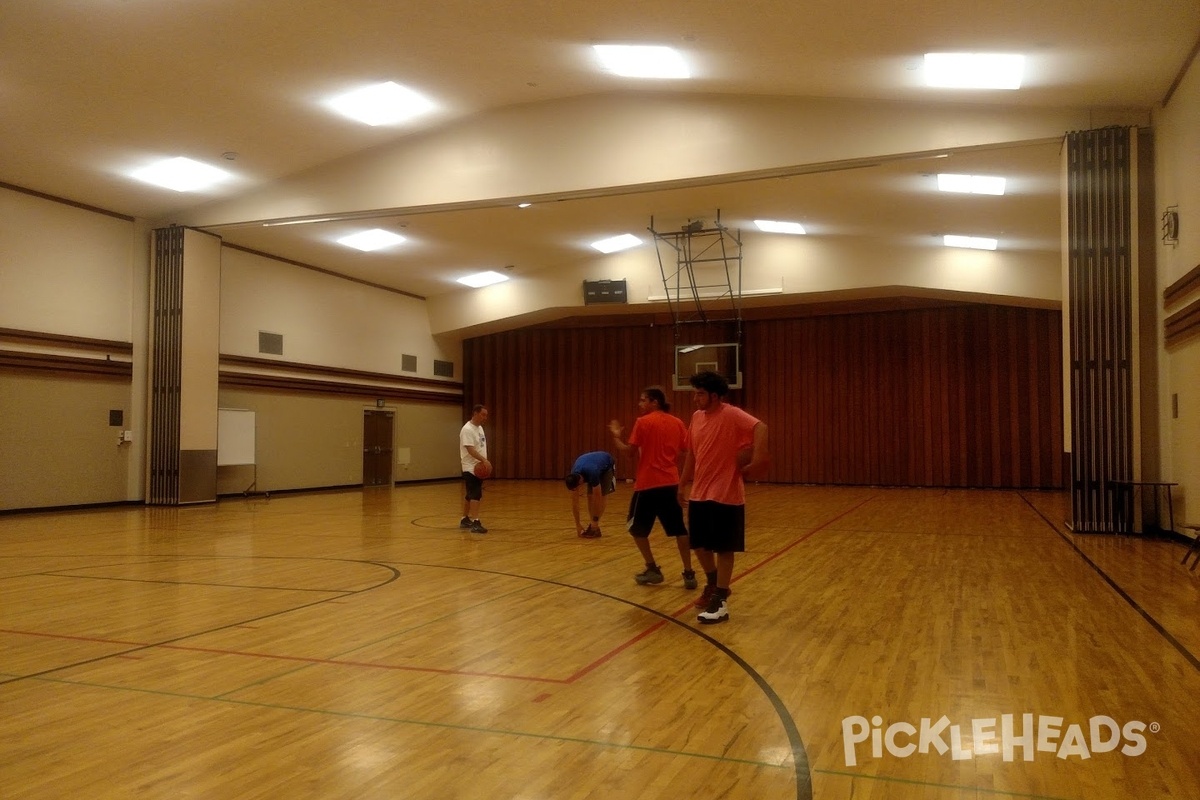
(483,470)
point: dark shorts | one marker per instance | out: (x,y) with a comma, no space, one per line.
(717,527)
(608,482)
(474,486)
(660,503)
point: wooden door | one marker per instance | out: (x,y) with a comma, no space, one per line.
(377,447)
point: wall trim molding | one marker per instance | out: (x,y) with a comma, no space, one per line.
(45,362)
(1182,325)
(60,340)
(251,380)
(294,263)
(64,201)
(352,375)
(1181,288)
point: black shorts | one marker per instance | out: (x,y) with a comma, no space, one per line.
(608,482)
(717,527)
(474,486)
(660,503)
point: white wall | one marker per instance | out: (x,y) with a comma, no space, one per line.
(806,268)
(66,270)
(325,320)
(74,272)
(1177,183)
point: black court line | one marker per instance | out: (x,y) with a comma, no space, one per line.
(342,593)
(1183,651)
(803,775)
(803,779)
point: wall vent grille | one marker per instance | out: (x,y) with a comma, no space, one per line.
(270,343)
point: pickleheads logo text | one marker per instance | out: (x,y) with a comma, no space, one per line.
(1028,734)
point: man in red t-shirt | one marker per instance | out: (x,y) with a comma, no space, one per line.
(717,497)
(658,439)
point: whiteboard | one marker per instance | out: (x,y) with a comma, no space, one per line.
(235,437)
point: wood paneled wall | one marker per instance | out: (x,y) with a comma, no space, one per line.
(952,396)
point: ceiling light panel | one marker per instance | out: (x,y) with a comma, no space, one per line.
(374,239)
(971,242)
(181,174)
(616,243)
(480,279)
(777,226)
(642,61)
(974,70)
(970,184)
(382,104)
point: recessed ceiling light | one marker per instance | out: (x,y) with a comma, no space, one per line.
(381,104)
(974,70)
(973,242)
(775,226)
(616,243)
(483,279)
(374,239)
(181,174)
(642,61)
(971,184)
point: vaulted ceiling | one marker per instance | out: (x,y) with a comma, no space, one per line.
(809,111)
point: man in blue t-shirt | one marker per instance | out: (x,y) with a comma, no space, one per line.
(594,473)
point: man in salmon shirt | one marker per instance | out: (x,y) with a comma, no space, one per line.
(658,439)
(717,497)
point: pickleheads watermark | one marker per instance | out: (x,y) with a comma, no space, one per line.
(1028,734)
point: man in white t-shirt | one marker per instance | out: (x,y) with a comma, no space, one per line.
(472,450)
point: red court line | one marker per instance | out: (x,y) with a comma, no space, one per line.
(300,659)
(781,551)
(653,628)
(808,535)
(611,654)
(579,674)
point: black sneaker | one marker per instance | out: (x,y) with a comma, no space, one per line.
(689,580)
(651,575)
(477,527)
(464,523)
(716,611)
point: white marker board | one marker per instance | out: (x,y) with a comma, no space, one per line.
(235,437)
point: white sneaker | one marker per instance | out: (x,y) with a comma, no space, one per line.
(716,611)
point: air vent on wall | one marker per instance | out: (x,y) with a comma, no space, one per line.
(408,363)
(270,343)
(443,369)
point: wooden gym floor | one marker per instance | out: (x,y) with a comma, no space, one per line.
(357,644)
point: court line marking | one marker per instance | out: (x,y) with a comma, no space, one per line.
(785,715)
(1187,654)
(936,785)
(419,722)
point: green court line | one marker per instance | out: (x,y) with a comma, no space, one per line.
(931,784)
(364,645)
(550,737)
(421,723)
(418,626)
